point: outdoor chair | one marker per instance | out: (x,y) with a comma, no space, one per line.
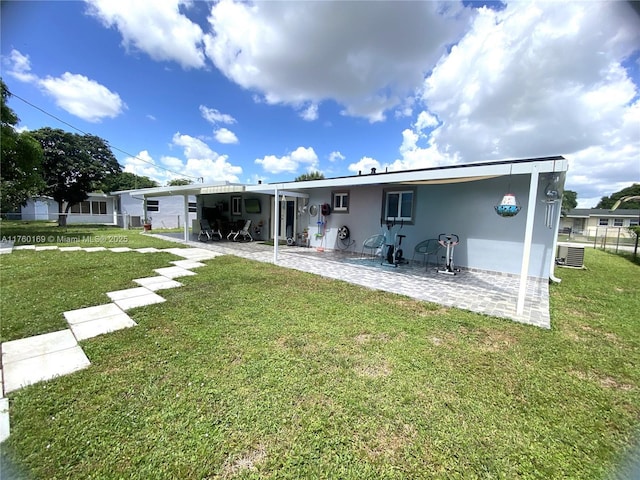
(373,243)
(207,231)
(243,232)
(427,248)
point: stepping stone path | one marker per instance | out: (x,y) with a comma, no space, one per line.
(43,357)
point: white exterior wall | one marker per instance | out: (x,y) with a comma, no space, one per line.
(170,212)
(487,241)
(47,209)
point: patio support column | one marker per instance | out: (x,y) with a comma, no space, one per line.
(528,239)
(186,218)
(276,225)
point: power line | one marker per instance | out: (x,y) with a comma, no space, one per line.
(86,133)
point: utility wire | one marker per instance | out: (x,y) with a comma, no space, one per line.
(86,133)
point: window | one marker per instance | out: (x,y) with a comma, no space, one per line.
(633,222)
(82,208)
(618,222)
(99,208)
(341,202)
(603,222)
(236,205)
(398,205)
(193,207)
(153,205)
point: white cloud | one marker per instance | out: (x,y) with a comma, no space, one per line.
(155,28)
(19,67)
(364,165)
(77,94)
(535,80)
(202,161)
(214,116)
(310,113)
(335,156)
(364,55)
(290,163)
(224,135)
(83,97)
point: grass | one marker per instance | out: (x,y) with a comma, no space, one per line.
(265,372)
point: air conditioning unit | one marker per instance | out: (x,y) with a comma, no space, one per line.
(570,256)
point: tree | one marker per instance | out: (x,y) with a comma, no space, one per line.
(126,181)
(20,161)
(73,166)
(310,176)
(608,202)
(176,182)
(569,201)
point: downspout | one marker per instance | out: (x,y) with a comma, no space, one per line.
(528,239)
(552,268)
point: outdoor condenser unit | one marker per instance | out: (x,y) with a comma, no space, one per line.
(570,256)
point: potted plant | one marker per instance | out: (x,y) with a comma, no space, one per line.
(147,224)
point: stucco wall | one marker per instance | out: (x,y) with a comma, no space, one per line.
(170,212)
(487,241)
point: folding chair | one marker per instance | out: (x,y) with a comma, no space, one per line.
(243,232)
(207,231)
(372,243)
(427,248)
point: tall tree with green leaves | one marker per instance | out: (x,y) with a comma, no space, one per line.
(633,190)
(309,176)
(20,160)
(569,201)
(177,182)
(74,165)
(126,181)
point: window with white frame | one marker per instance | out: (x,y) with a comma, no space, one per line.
(398,205)
(633,222)
(236,205)
(193,207)
(341,202)
(99,207)
(153,205)
(618,222)
(603,222)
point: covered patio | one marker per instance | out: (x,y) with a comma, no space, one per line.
(482,292)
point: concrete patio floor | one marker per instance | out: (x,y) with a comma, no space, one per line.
(482,292)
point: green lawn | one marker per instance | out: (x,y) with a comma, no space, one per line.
(254,371)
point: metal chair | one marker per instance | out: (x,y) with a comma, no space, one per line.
(372,243)
(207,231)
(427,248)
(244,233)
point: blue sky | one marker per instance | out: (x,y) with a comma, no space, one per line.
(270,90)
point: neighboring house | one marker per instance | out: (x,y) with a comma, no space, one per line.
(98,208)
(597,222)
(456,199)
(164,211)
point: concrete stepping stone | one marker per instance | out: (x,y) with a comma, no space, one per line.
(43,357)
(147,250)
(25,247)
(70,249)
(4,419)
(157,283)
(93,321)
(120,249)
(173,272)
(195,254)
(188,264)
(41,248)
(94,249)
(134,297)
(6,247)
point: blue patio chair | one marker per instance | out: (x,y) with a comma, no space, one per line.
(373,243)
(427,248)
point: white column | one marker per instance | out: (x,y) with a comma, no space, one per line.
(276,225)
(186,218)
(528,239)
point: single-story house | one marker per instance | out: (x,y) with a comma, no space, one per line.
(99,208)
(458,199)
(165,211)
(598,222)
